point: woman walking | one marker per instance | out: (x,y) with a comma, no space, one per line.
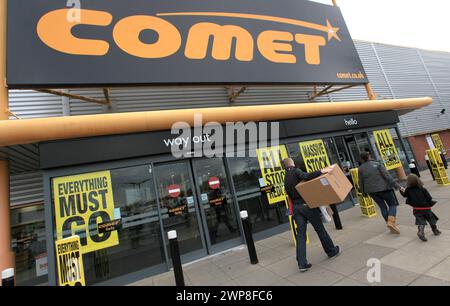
(375,181)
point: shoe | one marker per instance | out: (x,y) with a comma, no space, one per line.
(305,268)
(338,252)
(392,226)
(435,230)
(421,233)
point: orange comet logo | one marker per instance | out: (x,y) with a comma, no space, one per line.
(55,31)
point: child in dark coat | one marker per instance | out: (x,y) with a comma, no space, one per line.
(420,199)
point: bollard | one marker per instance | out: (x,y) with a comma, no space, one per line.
(413,169)
(429,166)
(249,237)
(336,217)
(8,278)
(176,259)
(444,160)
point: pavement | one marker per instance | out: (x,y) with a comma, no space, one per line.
(405,260)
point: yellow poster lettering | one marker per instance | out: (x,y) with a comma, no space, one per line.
(69,261)
(81,202)
(273,172)
(386,148)
(314,155)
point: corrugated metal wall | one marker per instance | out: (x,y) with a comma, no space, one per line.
(394,72)
(27,104)
(407,77)
(26,188)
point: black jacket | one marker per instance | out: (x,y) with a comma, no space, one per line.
(373,177)
(418,197)
(292,178)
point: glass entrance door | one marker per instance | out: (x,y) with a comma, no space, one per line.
(350,148)
(196,201)
(179,208)
(216,201)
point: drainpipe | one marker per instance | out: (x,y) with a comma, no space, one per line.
(6,255)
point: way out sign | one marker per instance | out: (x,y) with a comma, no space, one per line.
(70,262)
(387,149)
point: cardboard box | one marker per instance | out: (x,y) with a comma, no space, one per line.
(330,188)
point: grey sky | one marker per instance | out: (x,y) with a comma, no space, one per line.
(411,23)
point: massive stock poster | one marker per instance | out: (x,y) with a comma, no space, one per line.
(314,155)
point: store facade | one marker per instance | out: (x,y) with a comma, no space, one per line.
(103,168)
(155,192)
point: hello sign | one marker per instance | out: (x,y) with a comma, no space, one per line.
(178,42)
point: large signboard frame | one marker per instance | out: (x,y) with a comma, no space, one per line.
(194,42)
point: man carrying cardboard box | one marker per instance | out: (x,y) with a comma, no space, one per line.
(302,214)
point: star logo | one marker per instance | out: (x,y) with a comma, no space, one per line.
(332,32)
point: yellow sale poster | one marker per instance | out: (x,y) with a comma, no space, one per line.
(386,148)
(314,155)
(438,143)
(81,202)
(270,162)
(69,261)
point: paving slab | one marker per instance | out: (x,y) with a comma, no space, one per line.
(316,276)
(239,268)
(260,277)
(441,270)
(166,279)
(285,267)
(411,261)
(274,255)
(390,240)
(429,281)
(227,258)
(348,282)
(355,258)
(350,238)
(389,276)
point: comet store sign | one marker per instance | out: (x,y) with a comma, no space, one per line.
(314,155)
(387,149)
(70,262)
(272,171)
(81,203)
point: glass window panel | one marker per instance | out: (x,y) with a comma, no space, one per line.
(140,240)
(246,173)
(29,245)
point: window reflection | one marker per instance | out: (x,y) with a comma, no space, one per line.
(178,212)
(246,174)
(29,245)
(140,240)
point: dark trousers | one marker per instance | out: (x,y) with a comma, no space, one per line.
(387,202)
(302,214)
